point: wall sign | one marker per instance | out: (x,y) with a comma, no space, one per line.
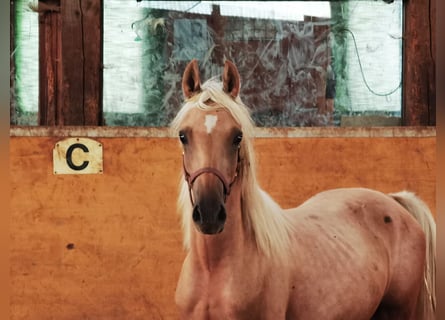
(78,156)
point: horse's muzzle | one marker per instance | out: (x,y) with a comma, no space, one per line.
(209,218)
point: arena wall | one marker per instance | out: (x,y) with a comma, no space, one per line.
(108,246)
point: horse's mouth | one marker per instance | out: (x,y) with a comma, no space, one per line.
(210,229)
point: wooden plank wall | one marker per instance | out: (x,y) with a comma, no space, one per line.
(419,63)
(109,246)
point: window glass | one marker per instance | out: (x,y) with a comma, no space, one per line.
(25,69)
(307,63)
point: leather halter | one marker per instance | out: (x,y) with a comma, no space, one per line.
(191,178)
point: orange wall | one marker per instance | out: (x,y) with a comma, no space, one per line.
(109,246)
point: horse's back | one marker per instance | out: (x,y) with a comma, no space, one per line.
(356,208)
(371,209)
(356,236)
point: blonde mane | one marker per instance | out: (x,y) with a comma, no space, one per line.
(263,217)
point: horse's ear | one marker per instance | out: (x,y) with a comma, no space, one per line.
(231,79)
(191,83)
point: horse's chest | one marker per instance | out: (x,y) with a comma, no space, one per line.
(216,298)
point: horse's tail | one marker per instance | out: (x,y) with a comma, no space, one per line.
(420,211)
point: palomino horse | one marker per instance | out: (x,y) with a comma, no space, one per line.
(344,254)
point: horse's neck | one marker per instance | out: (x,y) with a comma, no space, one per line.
(234,243)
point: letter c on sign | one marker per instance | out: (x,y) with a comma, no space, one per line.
(69,154)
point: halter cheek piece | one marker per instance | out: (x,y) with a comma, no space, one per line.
(190,178)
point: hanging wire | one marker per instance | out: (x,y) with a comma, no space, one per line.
(196,4)
(361,68)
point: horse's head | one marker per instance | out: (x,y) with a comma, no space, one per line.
(211,139)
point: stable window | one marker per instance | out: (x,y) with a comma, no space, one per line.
(302,63)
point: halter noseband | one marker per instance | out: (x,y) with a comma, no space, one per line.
(190,178)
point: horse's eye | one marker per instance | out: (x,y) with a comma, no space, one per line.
(237,140)
(182,138)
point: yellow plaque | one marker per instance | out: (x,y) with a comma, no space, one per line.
(78,156)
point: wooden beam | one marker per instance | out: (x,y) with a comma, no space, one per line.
(71,62)
(93,67)
(49,62)
(419,90)
(73,56)
(432,69)
(217,23)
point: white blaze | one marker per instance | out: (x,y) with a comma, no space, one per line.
(210,122)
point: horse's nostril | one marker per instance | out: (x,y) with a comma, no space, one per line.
(196,214)
(209,220)
(222,214)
